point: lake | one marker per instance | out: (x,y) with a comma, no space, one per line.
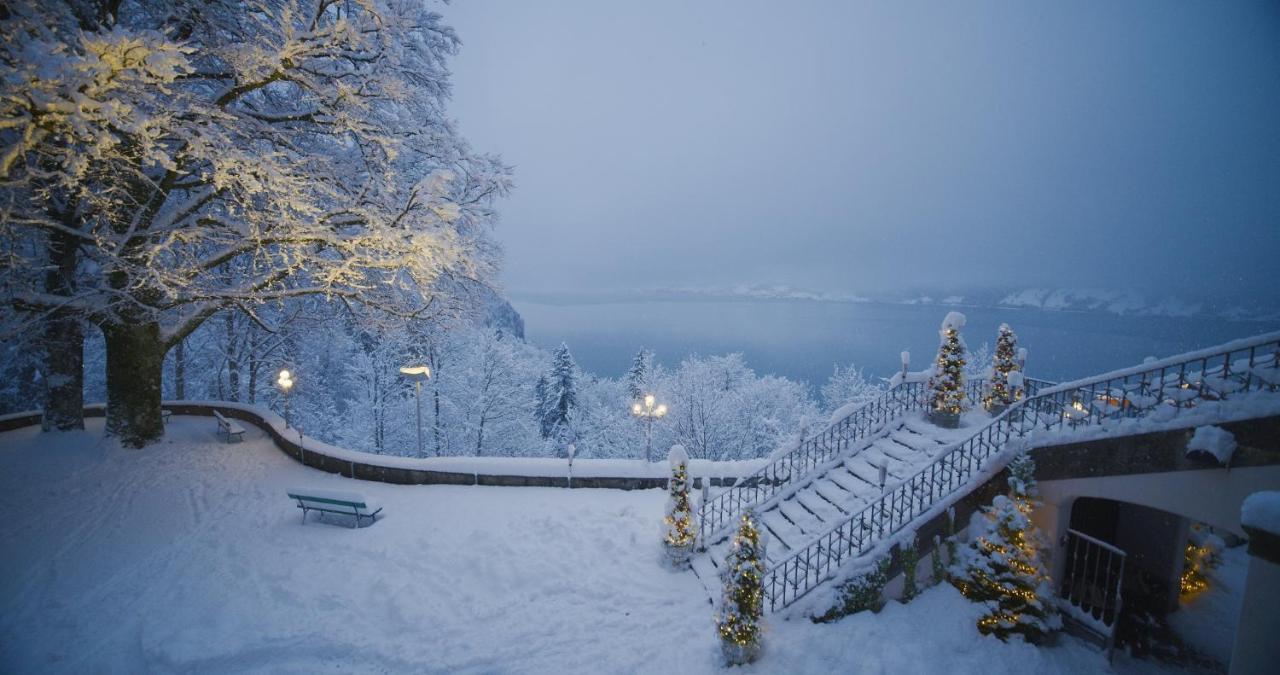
(803,339)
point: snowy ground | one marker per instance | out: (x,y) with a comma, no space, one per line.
(187,557)
(1207,620)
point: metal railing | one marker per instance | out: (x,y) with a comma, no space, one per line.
(1092,582)
(723,510)
(1170,385)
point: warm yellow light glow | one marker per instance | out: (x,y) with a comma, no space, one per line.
(648,400)
(635,408)
(285,381)
(424,371)
(662,410)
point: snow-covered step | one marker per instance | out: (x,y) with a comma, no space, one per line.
(822,507)
(802,520)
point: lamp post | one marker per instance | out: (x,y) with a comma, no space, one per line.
(418,374)
(648,412)
(285,382)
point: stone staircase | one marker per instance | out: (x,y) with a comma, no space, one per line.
(839,503)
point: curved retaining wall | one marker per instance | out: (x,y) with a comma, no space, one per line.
(363,470)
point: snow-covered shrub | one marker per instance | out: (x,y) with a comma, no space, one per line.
(861,592)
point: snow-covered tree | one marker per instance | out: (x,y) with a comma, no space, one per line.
(946,385)
(679,532)
(1002,567)
(742,604)
(638,377)
(561,393)
(205,155)
(847,385)
(1001,392)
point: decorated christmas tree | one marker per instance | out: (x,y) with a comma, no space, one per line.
(679,532)
(1002,569)
(742,605)
(946,386)
(1002,392)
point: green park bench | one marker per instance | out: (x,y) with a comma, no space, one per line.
(332,501)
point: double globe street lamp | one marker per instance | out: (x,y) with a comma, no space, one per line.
(648,412)
(285,382)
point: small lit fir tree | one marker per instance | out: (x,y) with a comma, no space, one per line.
(1002,567)
(742,605)
(1002,393)
(946,386)
(679,534)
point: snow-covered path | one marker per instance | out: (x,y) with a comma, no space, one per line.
(187,557)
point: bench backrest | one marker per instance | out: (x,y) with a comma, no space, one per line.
(328,500)
(221,419)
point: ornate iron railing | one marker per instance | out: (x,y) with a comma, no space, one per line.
(1165,386)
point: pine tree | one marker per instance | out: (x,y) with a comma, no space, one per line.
(947,397)
(561,393)
(1002,567)
(638,376)
(679,529)
(543,408)
(1002,393)
(742,605)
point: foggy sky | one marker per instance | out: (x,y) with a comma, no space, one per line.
(849,147)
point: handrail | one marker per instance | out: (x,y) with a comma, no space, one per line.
(1245,365)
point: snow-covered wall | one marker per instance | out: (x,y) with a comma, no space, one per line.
(626,474)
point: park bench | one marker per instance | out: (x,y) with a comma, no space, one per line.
(333,501)
(231,429)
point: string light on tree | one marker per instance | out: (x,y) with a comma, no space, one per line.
(946,385)
(1001,392)
(742,605)
(679,530)
(1002,567)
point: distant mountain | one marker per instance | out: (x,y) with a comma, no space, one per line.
(1107,301)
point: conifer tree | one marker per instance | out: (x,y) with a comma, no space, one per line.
(946,395)
(679,529)
(1002,567)
(742,605)
(562,395)
(543,409)
(1002,392)
(638,376)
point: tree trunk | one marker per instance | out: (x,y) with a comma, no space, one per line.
(63,340)
(180,370)
(233,358)
(135,365)
(63,371)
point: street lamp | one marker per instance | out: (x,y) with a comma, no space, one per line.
(285,382)
(418,374)
(648,412)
